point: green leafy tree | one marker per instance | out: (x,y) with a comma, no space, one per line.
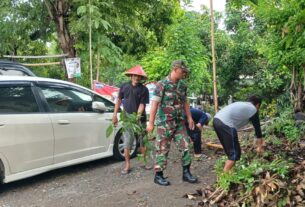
(24,28)
(240,61)
(182,41)
(285,46)
(119,29)
(281,28)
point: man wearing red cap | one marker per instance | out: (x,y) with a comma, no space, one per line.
(134,96)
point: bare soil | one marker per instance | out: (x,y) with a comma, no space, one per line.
(100,183)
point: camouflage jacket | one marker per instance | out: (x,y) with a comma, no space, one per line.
(172,97)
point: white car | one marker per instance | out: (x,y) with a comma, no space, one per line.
(151,86)
(47,124)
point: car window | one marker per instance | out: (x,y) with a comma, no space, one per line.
(109,105)
(17,99)
(67,100)
(12,72)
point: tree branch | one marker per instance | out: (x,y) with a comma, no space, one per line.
(50,8)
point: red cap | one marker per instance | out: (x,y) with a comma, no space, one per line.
(136,70)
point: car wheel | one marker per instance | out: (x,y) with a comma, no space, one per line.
(1,172)
(118,148)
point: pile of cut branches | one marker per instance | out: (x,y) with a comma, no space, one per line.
(275,178)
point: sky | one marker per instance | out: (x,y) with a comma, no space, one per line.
(218,5)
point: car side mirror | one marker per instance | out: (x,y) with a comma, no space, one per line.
(98,106)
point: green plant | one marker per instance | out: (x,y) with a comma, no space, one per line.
(268,110)
(274,140)
(224,180)
(284,126)
(247,171)
(209,134)
(128,121)
(131,122)
(279,166)
(149,147)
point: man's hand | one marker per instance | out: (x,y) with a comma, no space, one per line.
(260,150)
(150,128)
(260,145)
(191,124)
(199,126)
(114,120)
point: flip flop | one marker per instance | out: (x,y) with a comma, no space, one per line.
(147,167)
(125,172)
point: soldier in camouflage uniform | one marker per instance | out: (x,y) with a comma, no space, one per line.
(169,103)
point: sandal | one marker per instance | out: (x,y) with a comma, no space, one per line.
(125,172)
(147,167)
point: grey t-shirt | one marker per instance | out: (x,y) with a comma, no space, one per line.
(236,115)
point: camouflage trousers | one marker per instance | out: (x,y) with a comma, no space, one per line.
(165,134)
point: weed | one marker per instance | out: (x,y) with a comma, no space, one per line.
(284,126)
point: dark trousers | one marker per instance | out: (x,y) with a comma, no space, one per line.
(228,139)
(196,138)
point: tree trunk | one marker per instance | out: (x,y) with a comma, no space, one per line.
(297,90)
(98,66)
(292,88)
(299,98)
(302,91)
(58,11)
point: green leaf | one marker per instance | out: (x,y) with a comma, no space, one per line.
(105,24)
(109,130)
(81,10)
(140,157)
(122,116)
(96,24)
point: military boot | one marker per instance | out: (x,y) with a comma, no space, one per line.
(160,180)
(187,176)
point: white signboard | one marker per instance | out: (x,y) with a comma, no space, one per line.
(73,67)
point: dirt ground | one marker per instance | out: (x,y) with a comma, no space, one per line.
(100,183)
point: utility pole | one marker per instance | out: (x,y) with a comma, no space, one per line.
(90,46)
(213,59)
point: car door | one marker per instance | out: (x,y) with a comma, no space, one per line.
(78,130)
(26,133)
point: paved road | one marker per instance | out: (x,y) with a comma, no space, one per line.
(99,183)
